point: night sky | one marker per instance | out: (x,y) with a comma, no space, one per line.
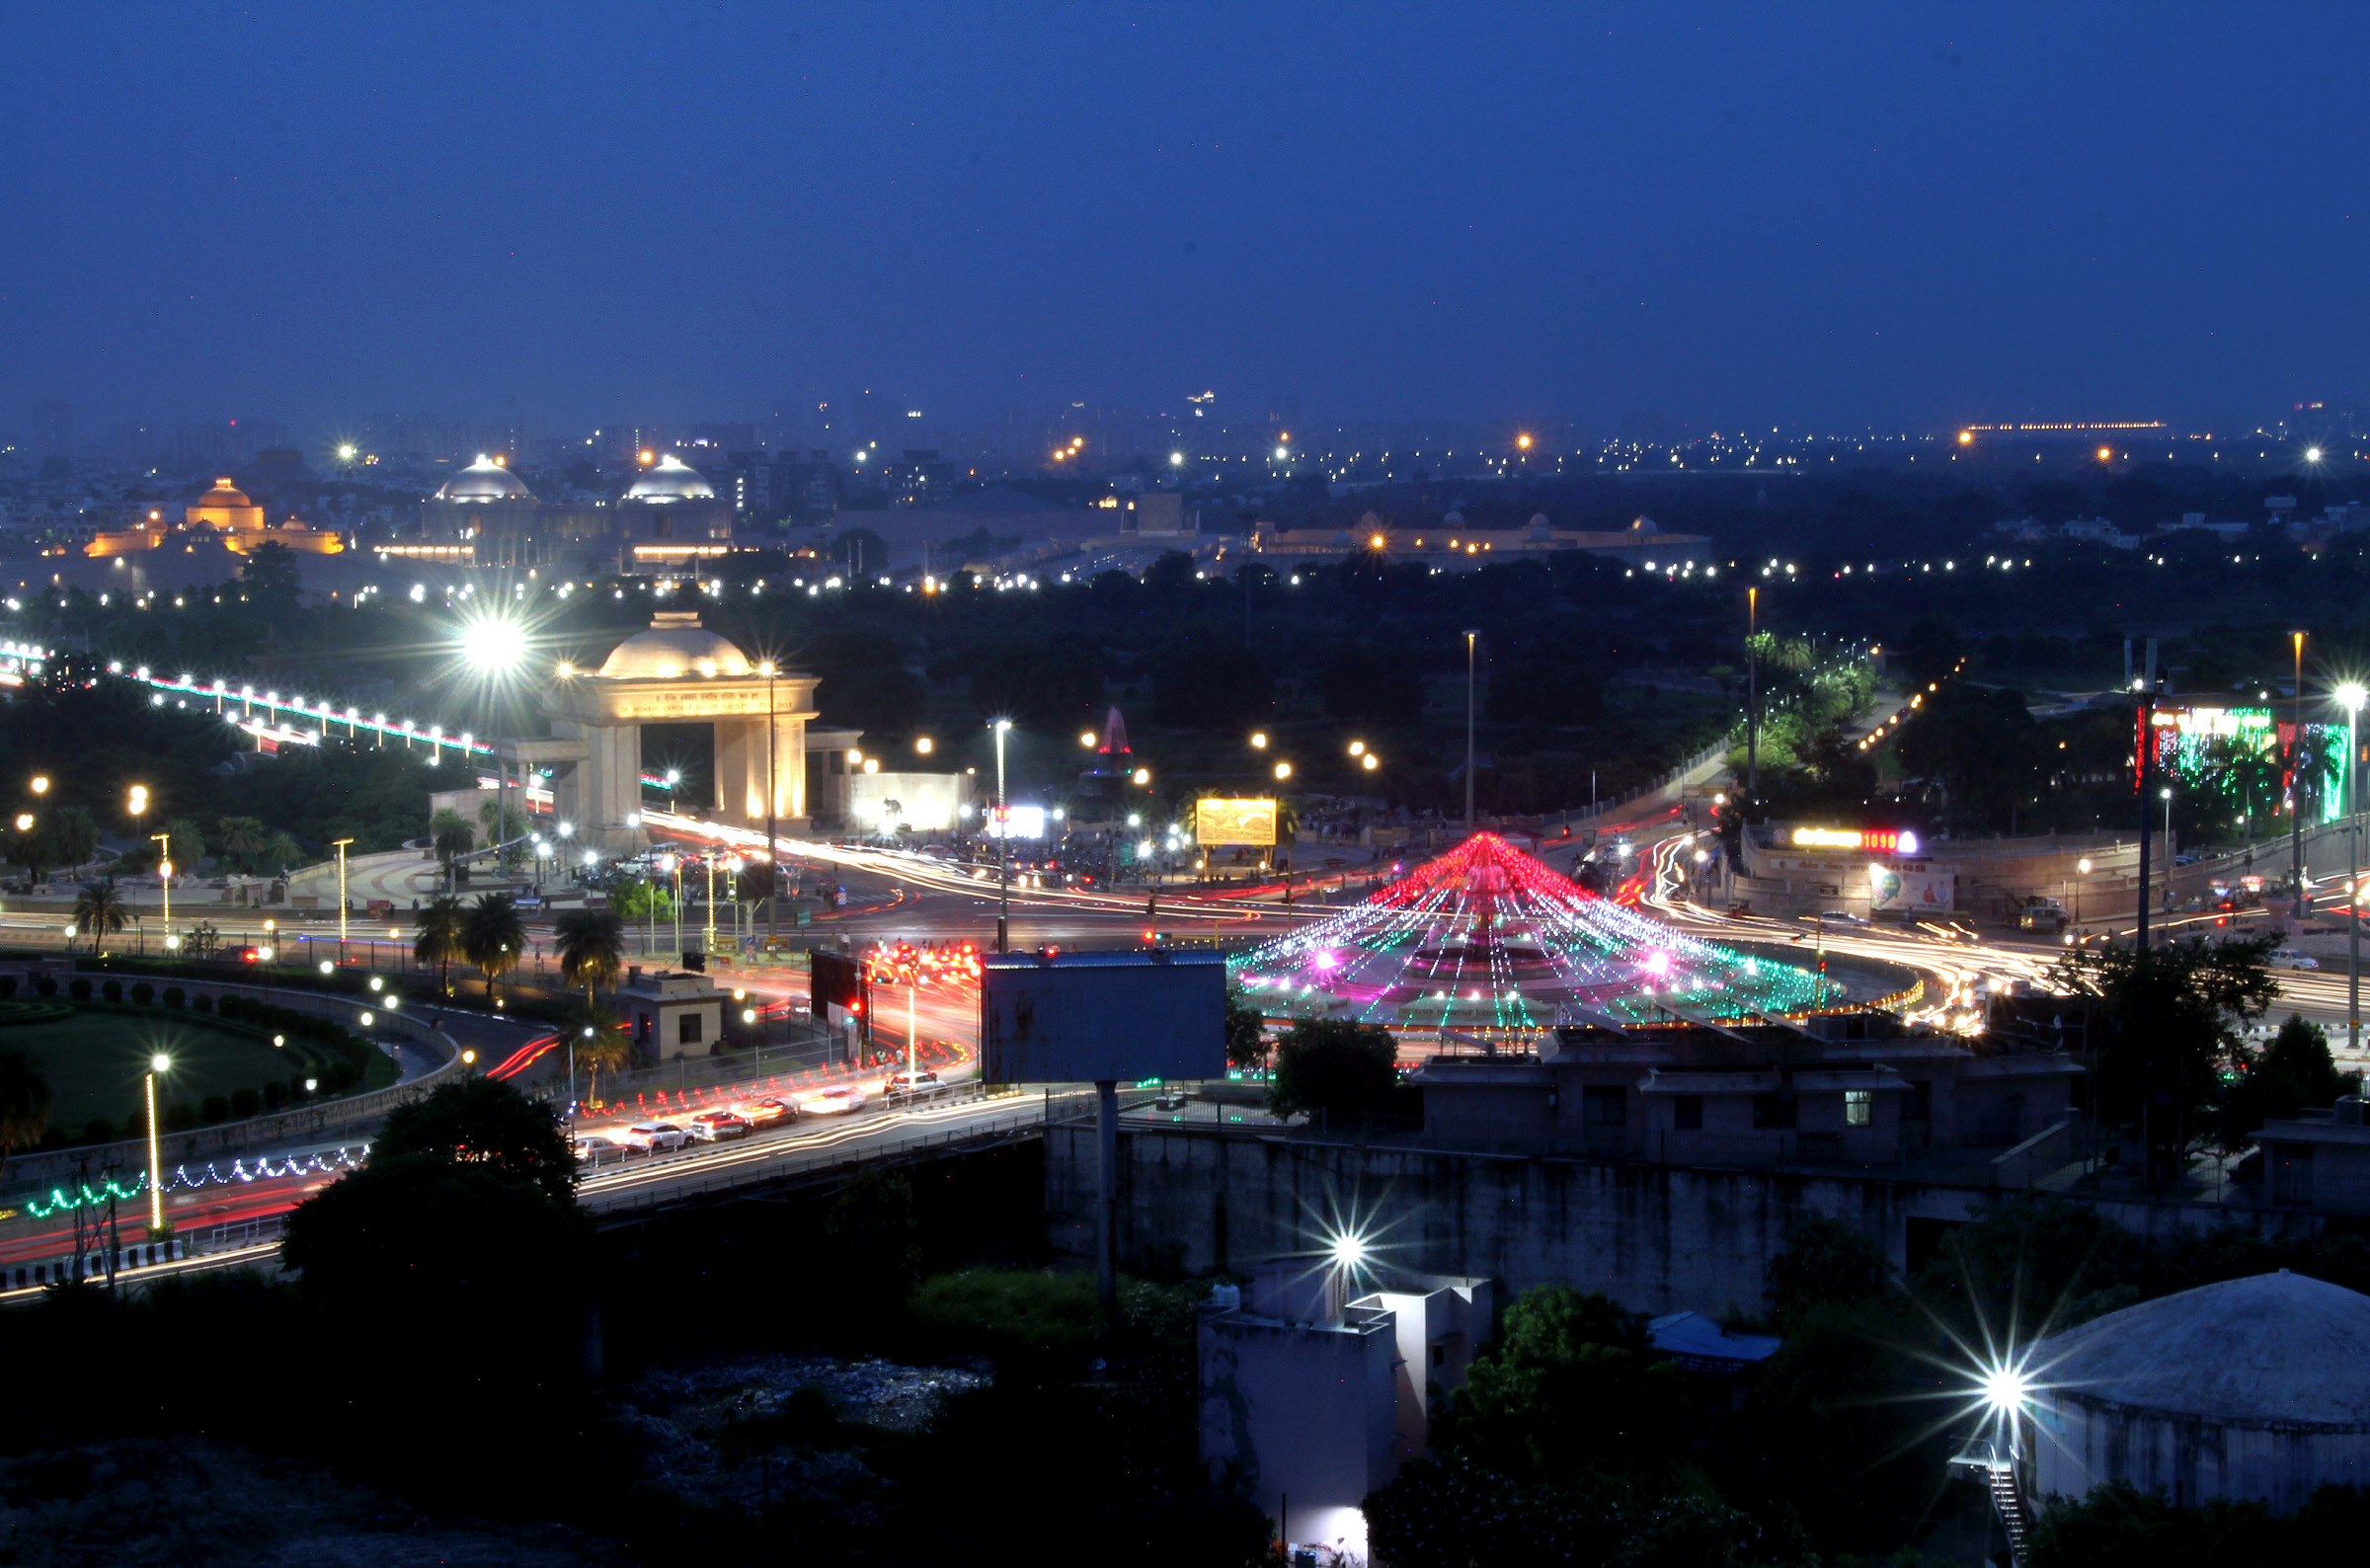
(1901,214)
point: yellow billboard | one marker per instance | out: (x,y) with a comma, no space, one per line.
(1235,822)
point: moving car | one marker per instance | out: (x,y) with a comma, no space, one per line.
(903,1080)
(833,1102)
(766,1112)
(2042,914)
(652,1137)
(2290,958)
(714,1126)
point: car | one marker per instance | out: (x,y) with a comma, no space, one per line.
(2289,958)
(834,1102)
(596,1150)
(715,1127)
(652,1137)
(765,1113)
(903,1080)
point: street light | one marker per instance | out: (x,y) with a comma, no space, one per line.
(2350,697)
(1282,771)
(2082,866)
(160,1062)
(1004,847)
(40,784)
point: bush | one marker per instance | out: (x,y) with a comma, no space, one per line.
(276,1095)
(111,991)
(215,1108)
(175,996)
(179,1117)
(245,1103)
(142,992)
(203,1004)
(80,990)
(99,1130)
(46,987)
(296,1093)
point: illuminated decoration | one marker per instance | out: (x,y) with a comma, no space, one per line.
(1488,937)
(87,1196)
(1884,840)
(2193,746)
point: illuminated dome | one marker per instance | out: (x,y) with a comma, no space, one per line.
(485,479)
(224,493)
(675,646)
(672,480)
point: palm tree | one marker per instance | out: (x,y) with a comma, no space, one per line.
(187,842)
(99,911)
(493,936)
(29,848)
(241,838)
(24,1103)
(439,941)
(71,835)
(600,1047)
(449,832)
(591,945)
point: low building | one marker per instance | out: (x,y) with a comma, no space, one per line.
(669,1013)
(2254,1389)
(1315,1385)
(2319,1161)
(1762,1095)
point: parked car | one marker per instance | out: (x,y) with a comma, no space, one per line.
(595,1149)
(655,1138)
(766,1112)
(2042,914)
(834,1102)
(715,1127)
(2289,958)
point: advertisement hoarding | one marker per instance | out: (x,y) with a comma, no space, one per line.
(1096,1017)
(1235,822)
(1022,822)
(1917,892)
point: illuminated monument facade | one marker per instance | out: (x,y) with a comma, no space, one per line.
(679,672)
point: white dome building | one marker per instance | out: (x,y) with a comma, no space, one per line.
(485,479)
(2249,1389)
(671,516)
(671,479)
(484,516)
(677,645)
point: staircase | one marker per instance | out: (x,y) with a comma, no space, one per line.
(2000,1475)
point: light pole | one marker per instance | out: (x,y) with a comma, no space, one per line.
(773,881)
(156,1165)
(1469,637)
(2296,787)
(2351,695)
(164,882)
(1752,690)
(2081,869)
(1004,847)
(674,864)
(340,846)
(2168,794)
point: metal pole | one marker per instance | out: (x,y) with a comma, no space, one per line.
(2353,883)
(1106,1127)
(1469,735)
(2296,787)
(773,867)
(1004,847)
(342,902)
(1752,690)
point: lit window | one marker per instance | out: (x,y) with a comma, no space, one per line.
(1860,1107)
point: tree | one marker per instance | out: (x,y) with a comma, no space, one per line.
(2294,1073)
(494,936)
(860,548)
(1244,1046)
(600,1046)
(2170,1018)
(1335,1065)
(25,1102)
(638,898)
(1371,684)
(1542,688)
(186,837)
(270,572)
(241,838)
(440,940)
(450,834)
(591,948)
(30,848)
(887,700)
(1211,682)
(1929,650)
(1052,680)
(98,911)
(1825,1263)
(70,835)
(483,1120)
(1570,1385)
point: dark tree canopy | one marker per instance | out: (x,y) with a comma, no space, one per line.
(1336,1066)
(481,1122)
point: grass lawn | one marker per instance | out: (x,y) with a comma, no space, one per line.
(95,1059)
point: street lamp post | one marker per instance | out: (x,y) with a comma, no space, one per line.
(1004,847)
(164,881)
(340,846)
(156,1165)
(2296,788)
(1752,690)
(1469,637)
(773,882)
(2081,869)
(2352,695)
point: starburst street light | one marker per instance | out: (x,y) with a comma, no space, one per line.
(494,643)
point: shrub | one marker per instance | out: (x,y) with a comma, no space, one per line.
(142,992)
(276,1095)
(245,1103)
(215,1108)
(296,1094)
(80,990)
(99,1130)
(179,1117)
(46,987)
(203,1004)
(111,991)
(175,996)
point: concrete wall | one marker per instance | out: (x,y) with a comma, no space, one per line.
(1656,1239)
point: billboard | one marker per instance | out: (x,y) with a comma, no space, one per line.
(1021,822)
(924,802)
(1918,892)
(1235,822)
(1093,1017)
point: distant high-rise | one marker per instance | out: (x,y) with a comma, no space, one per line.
(54,427)
(134,445)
